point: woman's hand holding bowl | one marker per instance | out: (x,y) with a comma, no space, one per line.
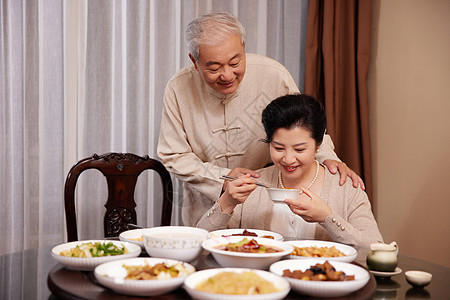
(311,208)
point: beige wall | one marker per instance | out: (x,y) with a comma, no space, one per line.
(409,93)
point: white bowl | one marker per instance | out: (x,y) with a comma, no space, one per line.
(277,194)
(135,236)
(323,288)
(89,263)
(418,278)
(350,252)
(112,275)
(245,260)
(175,242)
(192,280)
(260,233)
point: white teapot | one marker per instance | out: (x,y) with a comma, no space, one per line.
(382,257)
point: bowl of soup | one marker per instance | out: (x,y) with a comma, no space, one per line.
(246,252)
(174,242)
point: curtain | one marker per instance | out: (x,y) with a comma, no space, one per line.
(80,77)
(337,63)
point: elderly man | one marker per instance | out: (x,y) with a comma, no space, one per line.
(212,110)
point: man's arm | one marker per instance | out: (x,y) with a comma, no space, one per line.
(328,158)
(326,150)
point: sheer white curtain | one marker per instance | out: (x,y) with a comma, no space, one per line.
(82,77)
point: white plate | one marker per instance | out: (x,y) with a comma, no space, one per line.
(323,288)
(230,259)
(260,233)
(112,275)
(192,280)
(89,263)
(131,236)
(350,252)
(386,274)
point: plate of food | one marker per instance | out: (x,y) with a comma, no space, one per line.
(306,249)
(143,276)
(246,232)
(246,252)
(236,283)
(86,255)
(319,278)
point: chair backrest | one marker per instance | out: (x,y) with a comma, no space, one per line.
(121,171)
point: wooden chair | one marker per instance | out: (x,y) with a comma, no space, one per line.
(121,171)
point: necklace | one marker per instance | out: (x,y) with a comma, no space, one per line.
(280,180)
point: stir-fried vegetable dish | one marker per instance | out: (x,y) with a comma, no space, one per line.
(158,271)
(94,250)
(248,246)
(315,251)
(319,272)
(250,233)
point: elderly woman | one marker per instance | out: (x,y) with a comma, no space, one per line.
(324,210)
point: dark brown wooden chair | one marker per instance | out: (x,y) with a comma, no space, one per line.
(121,171)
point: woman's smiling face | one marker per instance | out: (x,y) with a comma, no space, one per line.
(293,151)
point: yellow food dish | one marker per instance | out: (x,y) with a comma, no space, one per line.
(317,252)
(232,283)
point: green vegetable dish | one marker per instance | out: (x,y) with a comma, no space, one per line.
(95,250)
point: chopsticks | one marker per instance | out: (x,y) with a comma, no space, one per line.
(230,178)
(133,226)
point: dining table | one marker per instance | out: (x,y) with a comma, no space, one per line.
(34,274)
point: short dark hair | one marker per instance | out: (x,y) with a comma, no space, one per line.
(295,110)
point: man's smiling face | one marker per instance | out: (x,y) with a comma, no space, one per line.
(222,66)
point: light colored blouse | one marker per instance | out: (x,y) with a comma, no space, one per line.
(286,223)
(351,221)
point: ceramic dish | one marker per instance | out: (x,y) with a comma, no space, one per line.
(418,279)
(245,260)
(112,275)
(174,242)
(192,280)
(277,194)
(260,233)
(350,252)
(135,236)
(89,263)
(386,274)
(323,288)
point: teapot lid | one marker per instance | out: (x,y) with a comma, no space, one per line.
(384,247)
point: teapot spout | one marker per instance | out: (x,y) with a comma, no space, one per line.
(394,244)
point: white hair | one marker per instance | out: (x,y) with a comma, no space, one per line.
(212,29)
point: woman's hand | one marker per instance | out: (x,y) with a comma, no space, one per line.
(239,172)
(237,192)
(311,208)
(334,166)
